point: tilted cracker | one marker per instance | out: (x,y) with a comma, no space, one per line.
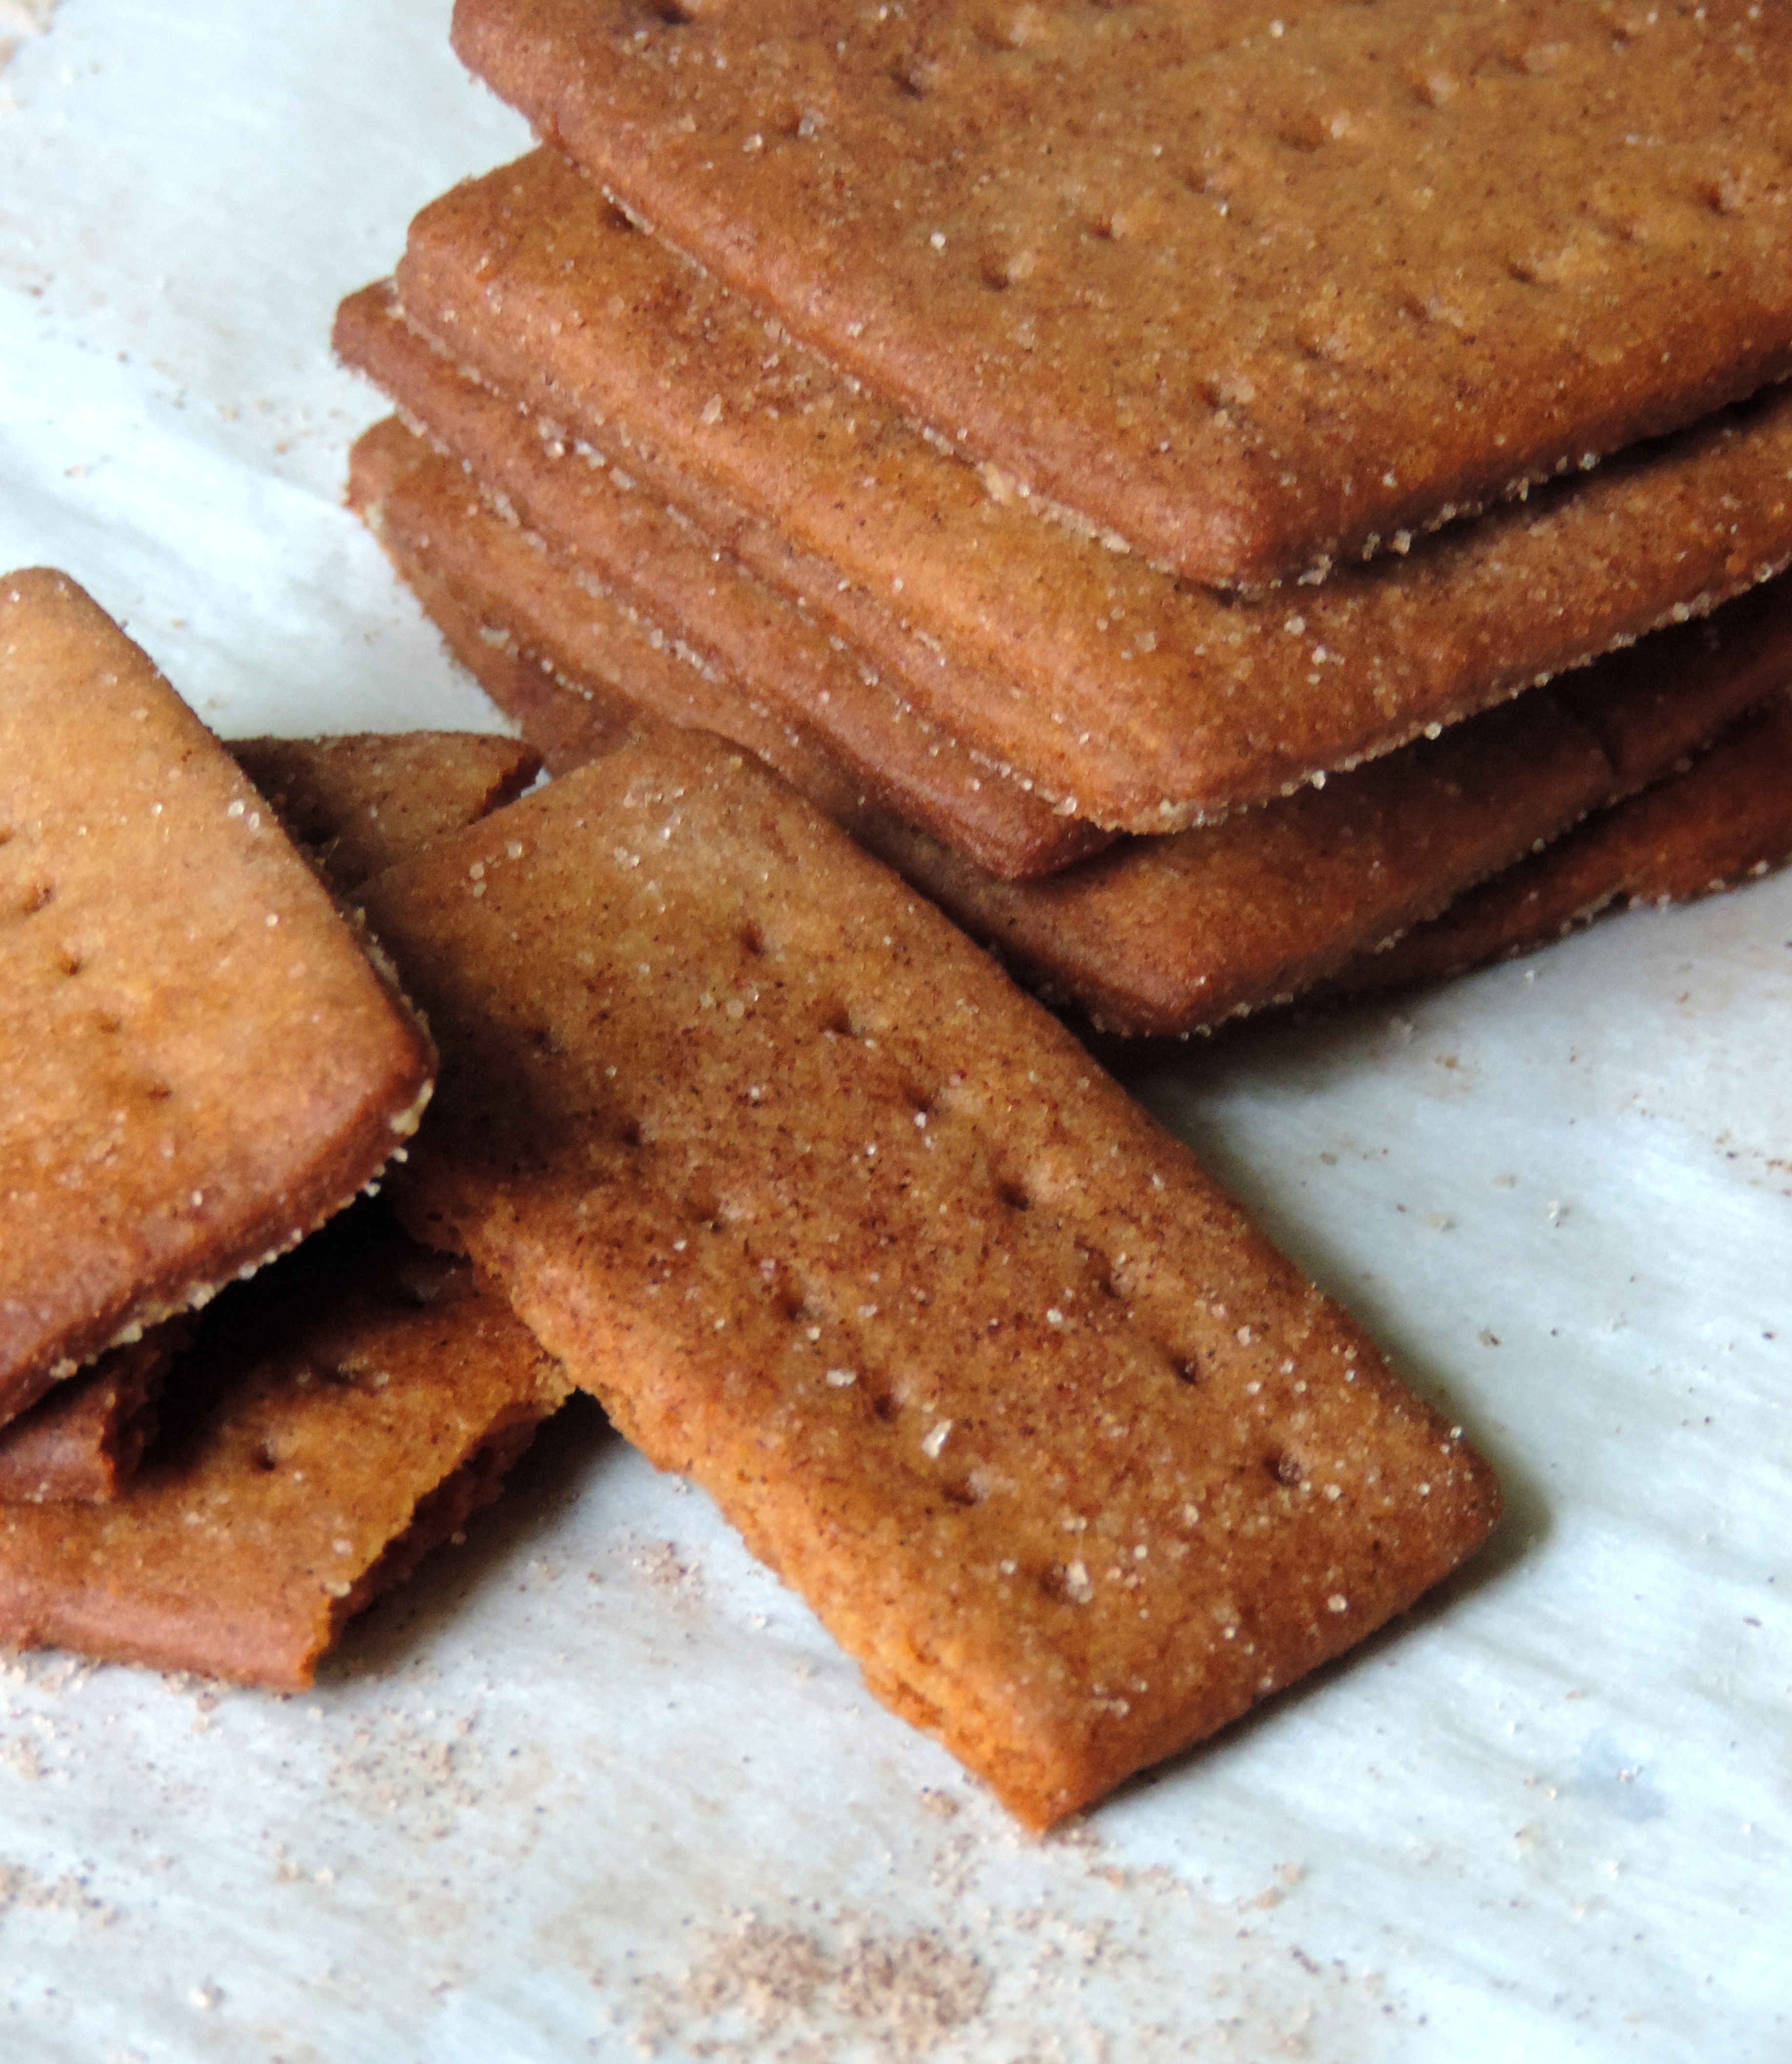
(201,1061)
(336,1419)
(360,801)
(647,557)
(1726,817)
(1125,696)
(1253,293)
(837,1222)
(356,804)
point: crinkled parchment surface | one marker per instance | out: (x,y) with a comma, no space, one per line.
(596,1786)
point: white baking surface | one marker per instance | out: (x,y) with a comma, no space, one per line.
(594,1786)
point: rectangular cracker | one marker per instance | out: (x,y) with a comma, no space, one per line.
(358,802)
(837,1222)
(1724,819)
(1126,696)
(81,1443)
(335,1419)
(203,1061)
(1220,283)
(1167,936)
(648,559)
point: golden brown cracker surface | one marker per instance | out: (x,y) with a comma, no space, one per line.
(358,802)
(709,602)
(201,1061)
(837,1222)
(1725,817)
(335,1419)
(1252,292)
(1126,696)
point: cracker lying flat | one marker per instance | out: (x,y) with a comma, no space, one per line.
(201,1064)
(357,803)
(835,1221)
(660,564)
(1170,935)
(1125,696)
(1226,285)
(336,1419)
(83,1441)
(1727,816)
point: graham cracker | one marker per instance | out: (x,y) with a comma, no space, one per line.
(1167,936)
(203,1061)
(1722,819)
(83,1441)
(655,563)
(1125,696)
(357,803)
(837,1222)
(335,1419)
(1254,294)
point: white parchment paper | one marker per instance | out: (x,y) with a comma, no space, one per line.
(594,1786)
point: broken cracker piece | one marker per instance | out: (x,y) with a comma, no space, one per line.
(81,1444)
(358,802)
(201,1062)
(835,1221)
(336,1418)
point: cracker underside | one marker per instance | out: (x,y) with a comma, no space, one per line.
(1727,816)
(81,1442)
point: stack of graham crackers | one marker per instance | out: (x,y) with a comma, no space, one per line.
(1196,492)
